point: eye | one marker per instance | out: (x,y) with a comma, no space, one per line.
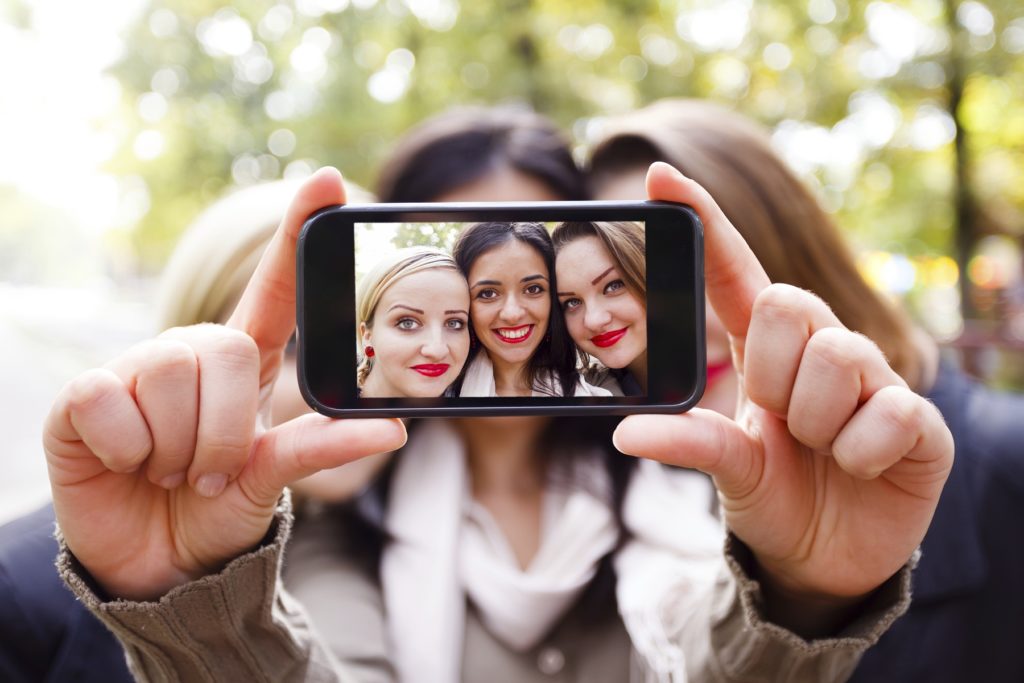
(487,294)
(571,304)
(534,289)
(457,324)
(614,286)
(407,323)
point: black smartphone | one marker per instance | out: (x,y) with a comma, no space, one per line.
(501,309)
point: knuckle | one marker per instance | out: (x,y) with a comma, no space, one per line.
(234,348)
(90,388)
(901,408)
(172,357)
(232,443)
(781,303)
(836,347)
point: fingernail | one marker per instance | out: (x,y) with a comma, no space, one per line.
(210,485)
(172,481)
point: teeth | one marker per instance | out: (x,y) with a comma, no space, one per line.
(514,334)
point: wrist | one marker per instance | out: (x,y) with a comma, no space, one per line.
(805,611)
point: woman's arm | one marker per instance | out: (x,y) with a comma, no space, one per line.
(239,624)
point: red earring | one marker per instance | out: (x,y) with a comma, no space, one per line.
(369,351)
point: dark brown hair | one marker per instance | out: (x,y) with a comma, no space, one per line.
(464,144)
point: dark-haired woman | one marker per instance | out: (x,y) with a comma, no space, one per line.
(493,539)
(522,348)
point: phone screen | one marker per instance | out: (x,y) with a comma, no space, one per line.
(506,323)
(589,307)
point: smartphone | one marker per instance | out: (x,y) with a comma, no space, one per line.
(557,308)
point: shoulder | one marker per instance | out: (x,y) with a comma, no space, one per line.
(599,376)
(28,551)
(44,632)
(987,425)
(585,388)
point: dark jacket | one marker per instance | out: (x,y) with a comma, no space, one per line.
(966,621)
(45,634)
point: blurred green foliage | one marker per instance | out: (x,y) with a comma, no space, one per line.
(253,90)
(239,93)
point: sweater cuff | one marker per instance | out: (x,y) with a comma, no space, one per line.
(751,640)
(232,625)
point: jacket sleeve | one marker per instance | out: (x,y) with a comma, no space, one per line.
(725,637)
(237,625)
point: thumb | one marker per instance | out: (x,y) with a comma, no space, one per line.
(700,439)
(310,443)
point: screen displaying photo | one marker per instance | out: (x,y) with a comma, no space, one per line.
(461,309)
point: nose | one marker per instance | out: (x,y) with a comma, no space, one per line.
(596,317)
(511,312)
(435,348)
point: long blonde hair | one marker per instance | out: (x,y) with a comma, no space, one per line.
(212,263)
(793,237)
(386,272)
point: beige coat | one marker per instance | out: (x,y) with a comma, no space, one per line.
(243,625)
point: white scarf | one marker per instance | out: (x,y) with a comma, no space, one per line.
(445,547)
(479,381)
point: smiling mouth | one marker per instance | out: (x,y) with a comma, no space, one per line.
(432,369)
(609,338)
(514,335)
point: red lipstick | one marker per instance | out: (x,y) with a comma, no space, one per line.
(432,369)
(717,370)
(607,339)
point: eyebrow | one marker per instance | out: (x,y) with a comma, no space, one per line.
(593,282)
(417,310)
(528,278)
(601,276)
(410,308)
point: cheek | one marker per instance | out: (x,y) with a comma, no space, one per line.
(541,308)
(394,347)
(628,310)
(460,346)
(574,323)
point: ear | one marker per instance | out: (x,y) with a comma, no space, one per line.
(364,334)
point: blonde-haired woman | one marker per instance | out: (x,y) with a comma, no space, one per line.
(602,283)
(412,310)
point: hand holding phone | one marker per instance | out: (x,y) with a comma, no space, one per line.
(552,308)
(832,468)
(162,464)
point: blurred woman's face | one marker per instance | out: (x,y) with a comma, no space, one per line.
(510,307)
(420,335)
(605,318)
(722,381)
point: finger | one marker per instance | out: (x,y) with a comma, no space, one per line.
(847,368)
(308,444)
(733,274)
(784,319)
(266,311)
(95,410)
(163,374)
(700,439)
(901,434)
(228,362)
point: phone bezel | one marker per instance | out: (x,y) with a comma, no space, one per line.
(325,299)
